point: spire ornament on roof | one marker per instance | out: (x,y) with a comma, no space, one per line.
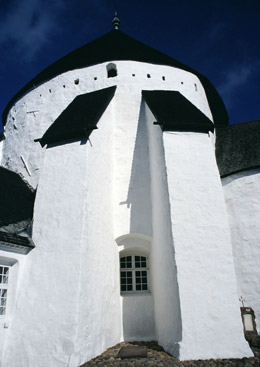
(116,21)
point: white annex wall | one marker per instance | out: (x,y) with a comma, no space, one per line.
(210,314)
(242,192)
(17,263)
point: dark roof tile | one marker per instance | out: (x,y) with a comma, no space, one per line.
(237,147)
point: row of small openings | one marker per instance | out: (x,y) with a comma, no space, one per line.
(112,72)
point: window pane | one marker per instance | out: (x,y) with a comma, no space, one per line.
(137,273)
(145,287)
(2,301)
(138,287)
(123,288)
(137,262)
(143,264)
(4,279)
(138,280)
(3,293)
(123,280)
(123,274)
(144,273)
(129,287)
(6,271)
(122,263)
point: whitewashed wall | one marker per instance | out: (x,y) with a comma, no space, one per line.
(99,312)
(164,276)
(46,312)
(16,262)
(138,321)
(89,195)
(31,115)
(210,314)
(242,192)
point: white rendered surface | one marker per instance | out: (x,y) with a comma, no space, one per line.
(138,307)
(210,314)
(242,191)
(115,185)
(16,263)
(164,277)
(31,115)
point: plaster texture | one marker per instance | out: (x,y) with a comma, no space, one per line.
(31,115)
(128,188)
(242,192)
(205,269)
(137,308)
(164,277)
(99,311)
(16,263)
(47,300)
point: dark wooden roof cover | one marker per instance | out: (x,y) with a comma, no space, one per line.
(113,46)
(16,198)
(237,147)
(12,238)
(79,119)
(175,112)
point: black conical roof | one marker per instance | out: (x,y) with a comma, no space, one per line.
(114,46)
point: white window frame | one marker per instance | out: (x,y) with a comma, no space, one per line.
(3,287)
(133,270)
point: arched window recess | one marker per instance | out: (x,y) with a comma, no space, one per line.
(134,250)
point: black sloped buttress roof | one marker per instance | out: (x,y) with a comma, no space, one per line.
(12,240)
(16,205)
(238,148)
(115,46)
(16,198)
(175,112)
(80,118)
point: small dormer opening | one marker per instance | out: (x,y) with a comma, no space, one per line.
(111,70)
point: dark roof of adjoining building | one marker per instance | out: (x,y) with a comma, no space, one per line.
(175,112)
(79,119)
(237,147)
(16,198)
(15,239)
(114,46)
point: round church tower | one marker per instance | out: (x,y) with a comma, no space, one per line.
(130,229)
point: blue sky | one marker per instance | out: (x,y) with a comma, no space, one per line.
(218,38)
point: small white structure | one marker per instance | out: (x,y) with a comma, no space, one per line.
(116,224)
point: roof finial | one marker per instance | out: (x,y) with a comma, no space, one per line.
(116,21)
